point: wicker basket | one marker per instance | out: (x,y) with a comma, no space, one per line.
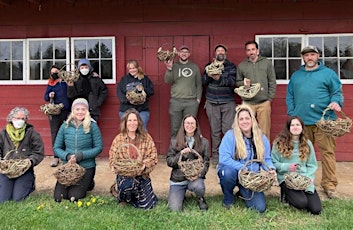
(191,168)
(214,68)
(248,92)
(296,181)
(69,173)
(256,181)
(335,128)
(127,166)
(166,55)
(71,75)
(14,168)
(51,109)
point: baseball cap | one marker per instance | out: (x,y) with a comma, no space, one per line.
(309,49)
(182,47)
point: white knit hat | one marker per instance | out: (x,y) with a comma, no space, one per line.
(80,101)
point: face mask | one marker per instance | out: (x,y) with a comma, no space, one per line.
(18,123)
(84,71)
(55,76)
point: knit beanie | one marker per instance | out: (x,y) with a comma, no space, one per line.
(80,101)
(84,62)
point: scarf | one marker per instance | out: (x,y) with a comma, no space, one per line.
(16,135)
(53,82)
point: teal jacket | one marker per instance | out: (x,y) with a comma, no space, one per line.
(310,92)
(307,168)
(71,140)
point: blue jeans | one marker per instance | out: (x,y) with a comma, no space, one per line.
(228,180)
(145,116)
(177,193)
(16,189)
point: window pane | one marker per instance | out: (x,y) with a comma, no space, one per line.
(106,48)
(17,50)
(34,73)
(93,48)
(17,70)
(60,49)
(280,47)
(5,71)
(47,48)
(80,49)
(106,69)
(316,41)
(294,45)
(46,69)
(5,50)
(280,69)
(34,50)
(347,69)
(294,65)
(332,63)
(265,46)
(330,44)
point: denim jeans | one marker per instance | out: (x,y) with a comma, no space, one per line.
(228,180)
(145,116)
(177,193)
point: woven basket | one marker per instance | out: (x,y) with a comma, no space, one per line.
(71,75)
(69,173)
(335,128)
(136,98)
(51,109)
(214,68)
(256,181)
(191,168)
(166,55)
(14,168)
(127,166)
(296,181)
(248,92)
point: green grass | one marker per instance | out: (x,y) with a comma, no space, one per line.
(40,211)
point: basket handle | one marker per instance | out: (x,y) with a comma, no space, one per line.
(328,108)
(192,151)
(258,161)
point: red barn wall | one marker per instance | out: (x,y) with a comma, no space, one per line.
(140,27)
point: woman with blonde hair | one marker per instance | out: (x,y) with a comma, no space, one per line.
(136,81)
(242,143)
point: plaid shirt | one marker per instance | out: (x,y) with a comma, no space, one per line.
(146,147)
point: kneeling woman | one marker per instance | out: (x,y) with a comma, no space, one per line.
(80,141)
(293,152)
(188,138)
(137,189)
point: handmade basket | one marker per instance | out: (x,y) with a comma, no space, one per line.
(191,168)
(256,181)
(127,166)
(71,75)
(248,92)
(166,55)
(296,181)
(214,68)
(114,190)
(69,173)
(14,168)
(135,97)
(50,108)
(335,128)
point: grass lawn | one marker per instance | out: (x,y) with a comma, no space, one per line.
(40,211)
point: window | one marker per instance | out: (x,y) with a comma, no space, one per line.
(28,61)
(336,52)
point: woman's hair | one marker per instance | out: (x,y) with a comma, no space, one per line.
(86,123)
(240,150)
(285,144)
(14,111)
(140,132)
(180,137)
(140,73)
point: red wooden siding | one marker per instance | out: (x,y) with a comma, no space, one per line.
(140,27)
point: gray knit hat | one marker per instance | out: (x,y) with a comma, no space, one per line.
(80,101)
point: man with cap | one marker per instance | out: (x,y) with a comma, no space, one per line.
(186,88)
(312,89)
(88,86)
(258,69)
(220,101)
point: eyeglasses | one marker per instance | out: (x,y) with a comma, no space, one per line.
(184,52)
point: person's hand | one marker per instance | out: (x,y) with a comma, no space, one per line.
(94,74)
(51,94)
(73,159)
(273,171)
(198,101)
(293,167)
(247,83)
(29,161)
(139,87)
(185,151)
(70,83)
(169,64)
(335,106)
(143,167)
(216,76)
(192,178)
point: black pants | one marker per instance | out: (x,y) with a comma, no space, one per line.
(77,191)
(55,122)
(301,199)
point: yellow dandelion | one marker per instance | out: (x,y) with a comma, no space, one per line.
(93,200)
(79,203)
(88,204)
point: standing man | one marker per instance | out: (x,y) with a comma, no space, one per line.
(257,69)
(186,88)
(311,89)
(220,101)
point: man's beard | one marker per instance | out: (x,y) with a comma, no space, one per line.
(221,57)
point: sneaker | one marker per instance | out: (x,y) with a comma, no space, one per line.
(55,162)
(227,206)
(202,204)
(332,194)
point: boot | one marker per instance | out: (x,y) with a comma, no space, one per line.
(202,204)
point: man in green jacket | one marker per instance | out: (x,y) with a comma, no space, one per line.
(258,69)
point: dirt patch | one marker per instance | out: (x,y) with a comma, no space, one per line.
(104,178)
